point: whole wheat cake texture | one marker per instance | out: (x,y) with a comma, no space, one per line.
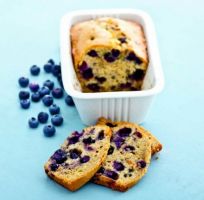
(128,158)
(80,157)
(156,146)
(109,54)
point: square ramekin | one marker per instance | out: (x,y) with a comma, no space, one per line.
(130,106)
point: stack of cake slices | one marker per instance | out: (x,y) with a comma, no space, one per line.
(113,154)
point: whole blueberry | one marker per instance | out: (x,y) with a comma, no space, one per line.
(43,117)
(23,81)
(48,67)
(54,109)
(56,69)
(84,159)
(35,70)
(34,87)
(49,130)
(69,101)
(47,100)
(115,53)
(44,91)
(24,95)
(25,103)
(49,84)
(57,120)
(33,122)
(35,97)
(51,61)
(141,164)
(57,93)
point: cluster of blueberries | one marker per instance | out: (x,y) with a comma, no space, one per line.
(46,94)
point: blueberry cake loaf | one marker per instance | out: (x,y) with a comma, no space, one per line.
(109,54)
(127,160)
(156,146)
(80,157)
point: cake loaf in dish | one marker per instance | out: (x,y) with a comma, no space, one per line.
(109,54)
(80,157)
(128,158)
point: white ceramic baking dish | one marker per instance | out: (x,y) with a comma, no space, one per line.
(130,106)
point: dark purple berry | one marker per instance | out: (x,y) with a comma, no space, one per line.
(57,120)
(25,103)
(59,156)
(137,75)
(47,100)
(73,140)
(83,66)
(132,57)
(118,141)
(110,150)
(24,95)
(35,97)
(56,70)
(43,117)
(23,82)
(129,148)
(122,40)
(57,93)
(110,125)
(34,87)
(75,153)
(138,134)
(84,159)
(48,67)
(87,74)
(69,101)
(34,70)
(51,61)
(94,87)
(141,164)
(125,85)
(49,84)
(109,57)
(33,122)
(115,53)
(111,174)
(101,135)
(118,166)
(101,170)
(54,166)
(92,53)
(100,79)
(54,109)
(88,140)
(44,91)
(124,132)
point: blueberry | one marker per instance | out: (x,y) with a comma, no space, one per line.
(141,164)
(75,153)
(87,74)
(74,138)
(111,174)
(84,159)
(110,150)
(132,57)
(92,53)
(69,101)
(125,85)
(122,40)
(43,117)
(49,130)
(138,134)
(44,91)
(115,53)
(34,87)
(57,93)
(47,100)
(110,125)
(48,67)
(94,87)
(118,141)
(109,57)
(49,84)
(25,103)
(137,75)
(100,79)
(33,122)
(129,148)
(54,166)
(23,82)
(24,95)
(59,156)
(35,97)
(118,166)
(56,69)
(101,135)
(51,61)
(88,140)
(57,120)
(54,109)
(124,132)
(34,70)
(101,170)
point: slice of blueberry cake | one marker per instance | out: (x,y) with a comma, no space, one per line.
(156,146)
(128,158)
(109,54)
(80,157)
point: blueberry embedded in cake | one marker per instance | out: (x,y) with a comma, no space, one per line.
(109,54)
(80,157)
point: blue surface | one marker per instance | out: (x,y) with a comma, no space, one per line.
(29,34)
